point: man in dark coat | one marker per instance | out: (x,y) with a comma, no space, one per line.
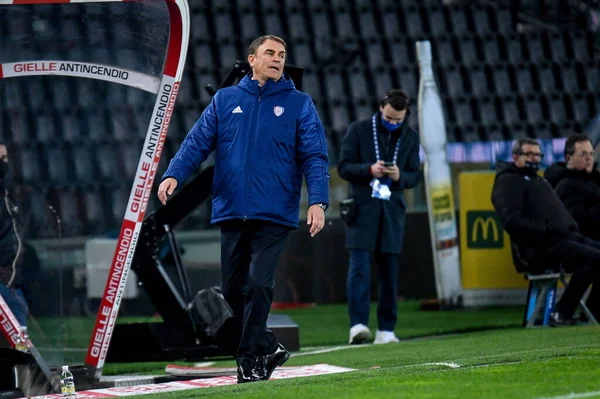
(577,183)
(380,159)
(541,227)
(11,245)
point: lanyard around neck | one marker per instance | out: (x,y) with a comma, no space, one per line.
(376,142)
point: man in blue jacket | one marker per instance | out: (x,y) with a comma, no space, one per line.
(267,135)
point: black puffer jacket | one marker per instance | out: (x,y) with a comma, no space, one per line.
(529,209)
(580,192)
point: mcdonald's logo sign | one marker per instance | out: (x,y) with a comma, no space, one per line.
(484,230)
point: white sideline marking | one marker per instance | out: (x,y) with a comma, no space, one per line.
(316,351)
(537,350)
(327,350)
(491,365)
(574,395)
(452,365)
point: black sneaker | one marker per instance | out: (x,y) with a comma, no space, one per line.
(265,365)
(246,372)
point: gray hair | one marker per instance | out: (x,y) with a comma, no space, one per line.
(256,43)
(518,145)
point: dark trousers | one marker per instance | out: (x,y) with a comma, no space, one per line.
(16,302)
(580,256)
(359,284)
(250,252)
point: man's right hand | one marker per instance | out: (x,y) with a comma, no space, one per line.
(166,188)
(377,169)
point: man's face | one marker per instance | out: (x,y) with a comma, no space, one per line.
(3,153)
(582,158)
(529,153)
(268,62)
(391,115)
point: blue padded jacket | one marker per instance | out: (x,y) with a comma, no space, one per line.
(266,138)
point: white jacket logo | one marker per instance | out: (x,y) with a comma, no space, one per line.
(278,110)
(237,110)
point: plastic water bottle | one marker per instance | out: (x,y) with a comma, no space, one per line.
(67,385)
(22,343)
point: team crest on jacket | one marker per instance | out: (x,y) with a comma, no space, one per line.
(278,110)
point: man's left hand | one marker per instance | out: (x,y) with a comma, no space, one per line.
(316,219)
(393,172)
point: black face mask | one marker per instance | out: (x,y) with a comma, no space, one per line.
(531,167)
(4,168)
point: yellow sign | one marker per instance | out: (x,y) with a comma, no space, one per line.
(443,217)
(486,259)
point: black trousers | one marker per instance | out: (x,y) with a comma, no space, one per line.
(580,256)
(250,253)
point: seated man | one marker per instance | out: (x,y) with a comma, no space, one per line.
(577,184)
(543,229)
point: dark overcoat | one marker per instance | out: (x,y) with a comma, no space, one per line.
(375,217)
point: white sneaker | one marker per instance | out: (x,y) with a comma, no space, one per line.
(385,337)
(359,333)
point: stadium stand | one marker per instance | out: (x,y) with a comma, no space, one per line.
(503,70)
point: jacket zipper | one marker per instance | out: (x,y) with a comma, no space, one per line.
(250,157)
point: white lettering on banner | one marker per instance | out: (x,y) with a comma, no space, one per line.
(115,278)
(138,189)
(166,122)
(115,308)
(8,327)
(158,120)
(161,122)
(148,190)
(100,332)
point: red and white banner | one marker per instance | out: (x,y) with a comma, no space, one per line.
(278,374)
(166,89)
(3,2)
(8,323)
(11,328)
(142,185)
(81,70)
